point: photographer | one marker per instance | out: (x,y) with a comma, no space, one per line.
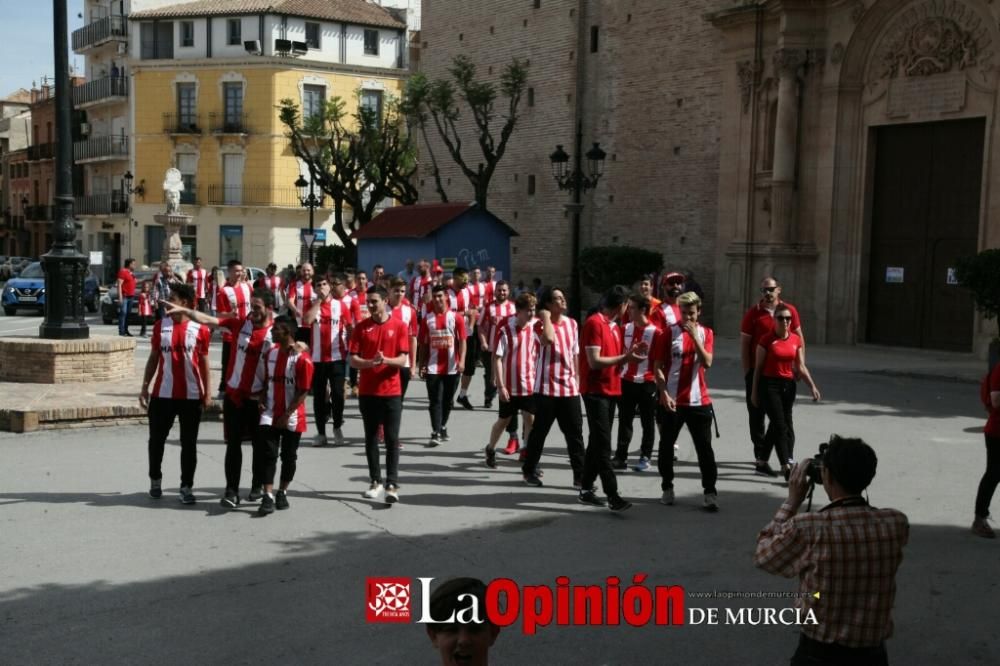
(845,555)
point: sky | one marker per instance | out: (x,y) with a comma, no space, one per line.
(26,52)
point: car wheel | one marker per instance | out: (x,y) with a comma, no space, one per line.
(10,312)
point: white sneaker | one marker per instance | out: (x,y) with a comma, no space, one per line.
(338,437)
(668,497)
(711,502)
(391,494)
(374,490)
(319,440)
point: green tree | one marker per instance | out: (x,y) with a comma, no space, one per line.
(437,102)
(980,274)
(357,158)
(605,266)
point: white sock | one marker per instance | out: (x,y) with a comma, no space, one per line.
(461,393)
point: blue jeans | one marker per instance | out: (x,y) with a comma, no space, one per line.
(126,306)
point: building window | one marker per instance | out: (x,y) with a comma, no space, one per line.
(313,99)
(156,40)
(531,185)
(371,42)
(593,38)
(187,117)
(312,35)
(371,101)
(538,4)
(233,100)
(230,243)
(234,28)
(186,163)
(187,33)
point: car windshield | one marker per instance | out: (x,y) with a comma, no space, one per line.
(33,271)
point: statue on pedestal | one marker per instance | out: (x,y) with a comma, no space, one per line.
(173,220)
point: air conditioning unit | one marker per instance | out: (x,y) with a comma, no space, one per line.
(282,46)
(122,48)
(85,129)
(252,46)
(299,48)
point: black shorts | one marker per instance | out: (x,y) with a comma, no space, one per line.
(471,355)
(517,403)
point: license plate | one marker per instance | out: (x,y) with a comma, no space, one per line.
(28,299)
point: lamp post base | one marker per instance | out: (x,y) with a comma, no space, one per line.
(64,312)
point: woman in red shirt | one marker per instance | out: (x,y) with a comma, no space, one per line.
(780,359)
(991,477)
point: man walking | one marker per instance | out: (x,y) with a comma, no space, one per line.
(441,356)
(126,294)
(197,277)
(404,311)
(638,386)
(300,298)
(492,316)
(233,300)
(273,283)
(164,281)
(462,299)
(330,320)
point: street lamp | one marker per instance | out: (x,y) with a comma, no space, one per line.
(308,199)
(139,190)
(577,182)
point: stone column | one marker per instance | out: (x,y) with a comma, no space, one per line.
(788,64)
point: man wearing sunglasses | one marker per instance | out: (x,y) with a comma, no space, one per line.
(669,313)
(757,323)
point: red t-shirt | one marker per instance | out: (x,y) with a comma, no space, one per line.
(181,346)
(283,374)
(759,321)
(329,331)
(392,338)
(248,345)
(128,283)
(197,278)
(665,315)
(442,333)
(559,362)
(641,371)
(780,359)
(993,422)
(682,366)
(599,331)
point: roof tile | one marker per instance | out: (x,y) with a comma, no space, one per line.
(350,11)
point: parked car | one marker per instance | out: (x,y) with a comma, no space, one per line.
(15,265)
(253,273)
(27,291)
(110,302)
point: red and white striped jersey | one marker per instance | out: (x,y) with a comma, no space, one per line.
(406,313)
(488,289)
(178,374)
(281,374)
(419,286)
(329,331)
(459,301)
(682,366)
(490,319)
(518,351)
(666,315)
(235,299)
(198,278)
(145,305)
(558,364)
(639,372)
(441,333)
(477,294)
(302,296)
(275,285)
(248,345)
(360,304)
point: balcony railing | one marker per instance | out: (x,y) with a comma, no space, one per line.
(106,88)
(38,213)
(100,147)
(181,123)
(228,123)
(41,151)
(250,195)
(108,203)
(101,30)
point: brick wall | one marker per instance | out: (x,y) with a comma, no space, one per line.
(66,361)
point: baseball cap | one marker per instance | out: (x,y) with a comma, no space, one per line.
(437,267)
(673,277)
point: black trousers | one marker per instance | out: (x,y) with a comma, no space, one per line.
(352,377)
(597,460)
(777,396)
(268,445)
(490,389)
(991,477)
(441,394)
(238,422)
(226,347)
(404,379)
(332,374)
(641,398)
(386,412)
(162,412)
(471,353)
(699,424)
(565,411)
(814,653)
(761,447)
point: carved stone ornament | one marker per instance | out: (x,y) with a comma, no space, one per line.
(788,62)
(935,45)
(837,54)
(747,74)
(173,185)
(858,10)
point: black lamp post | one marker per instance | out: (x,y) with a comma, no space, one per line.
(577,182)
(64,267)
(308,198)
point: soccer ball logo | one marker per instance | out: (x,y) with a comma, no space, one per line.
(391,599)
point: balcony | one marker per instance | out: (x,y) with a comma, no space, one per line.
(38,213)
(108,203)
(101,31)
(100,148)
(184,124)
(228,123)
(108,89)
(41,151)
(250,195)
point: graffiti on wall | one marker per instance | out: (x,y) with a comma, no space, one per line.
(470,259)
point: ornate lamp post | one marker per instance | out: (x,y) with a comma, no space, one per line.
(308,199)
(140,190)
(577,182)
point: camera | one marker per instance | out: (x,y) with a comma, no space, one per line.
(813,473)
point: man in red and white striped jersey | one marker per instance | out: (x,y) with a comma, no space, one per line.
(281,383)
(197,277)
(331,321)
(462,298)
(232,300)
(300,298)
(557,388)
(638,387)
(490,318)
(683,353)
(490,285)
(441,357)
(273,283)
(514,358)
(178,356)
(669,313)
(419,284)
(404,311)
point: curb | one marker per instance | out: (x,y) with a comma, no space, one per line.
(18,421)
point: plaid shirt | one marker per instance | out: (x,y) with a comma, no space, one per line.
(849,553)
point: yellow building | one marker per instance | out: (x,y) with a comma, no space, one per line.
(207,78)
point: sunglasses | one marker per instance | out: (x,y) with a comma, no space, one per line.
(783,318)
(675,282)
(767,290)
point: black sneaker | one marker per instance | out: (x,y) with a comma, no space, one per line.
(619,504)
(266,506)
(591,498)
(256,492)
(231,500)
(532,480)
(464,401)
(491,458)
(488,403)
(763,469)
(281,501)
(444,435)
(155,488)
(619,463)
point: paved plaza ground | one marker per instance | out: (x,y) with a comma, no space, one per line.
(95,571)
